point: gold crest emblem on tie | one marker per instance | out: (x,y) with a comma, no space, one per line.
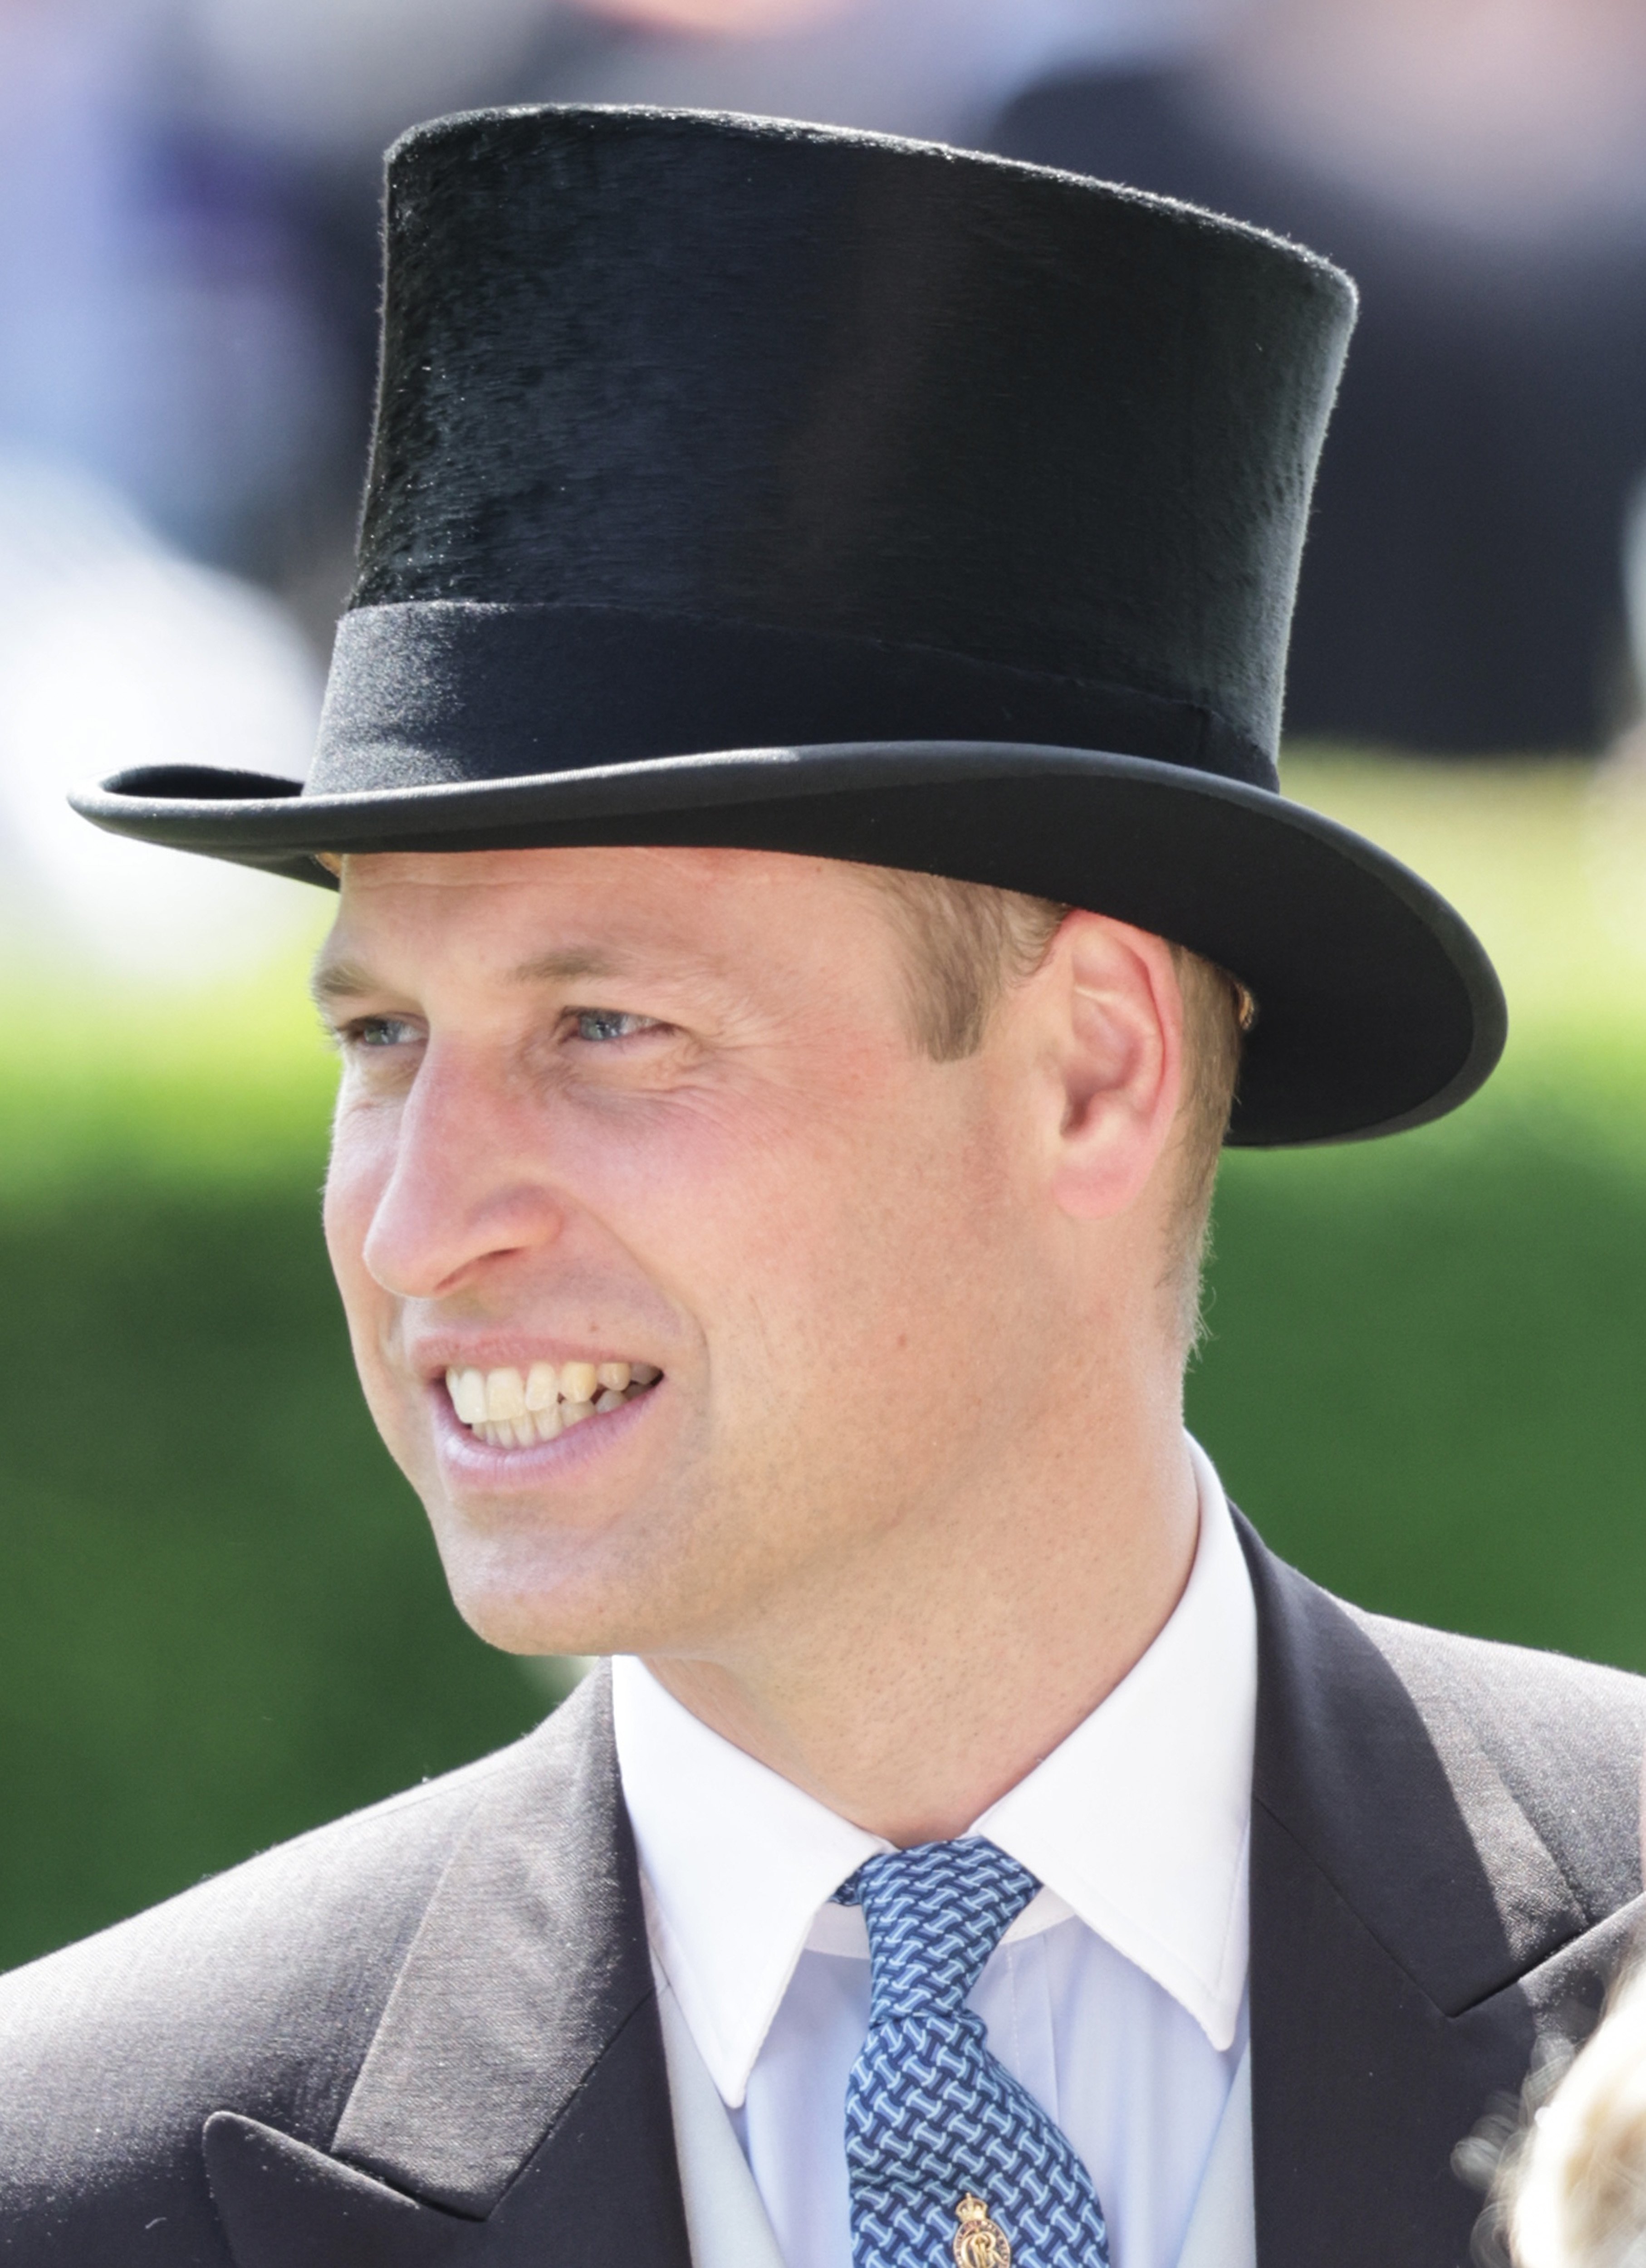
(979,2242)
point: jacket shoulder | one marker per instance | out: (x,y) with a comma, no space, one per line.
(258,1991)
(1475,1805)
(1563,1737)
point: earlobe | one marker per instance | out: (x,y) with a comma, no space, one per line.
(1119,1048)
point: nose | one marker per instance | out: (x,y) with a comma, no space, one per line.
(449,1185)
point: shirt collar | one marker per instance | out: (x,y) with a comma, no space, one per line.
(1137,1822)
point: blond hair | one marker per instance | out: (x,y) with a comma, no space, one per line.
(1573,2191)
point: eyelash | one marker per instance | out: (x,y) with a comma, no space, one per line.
(366,1031)
(579,1017)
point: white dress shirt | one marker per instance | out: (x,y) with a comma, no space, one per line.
(1117,1998)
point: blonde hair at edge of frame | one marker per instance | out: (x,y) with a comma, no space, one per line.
(1571,2189)
(969,943)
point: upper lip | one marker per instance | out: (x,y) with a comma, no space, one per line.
(434,1357)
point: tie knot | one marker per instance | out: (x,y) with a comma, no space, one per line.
(934,1915)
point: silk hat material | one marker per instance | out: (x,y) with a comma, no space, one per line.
(744,483)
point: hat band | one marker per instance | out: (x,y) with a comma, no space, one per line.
(440,691)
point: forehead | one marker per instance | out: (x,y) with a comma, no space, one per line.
(583,911)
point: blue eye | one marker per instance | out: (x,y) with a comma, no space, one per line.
(606,1024)
(381,1032)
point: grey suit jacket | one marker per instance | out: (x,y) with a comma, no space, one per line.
(429,2035)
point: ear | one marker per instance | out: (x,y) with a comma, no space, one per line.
(1114,1051)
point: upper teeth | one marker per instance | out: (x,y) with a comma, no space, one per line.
(508,1409)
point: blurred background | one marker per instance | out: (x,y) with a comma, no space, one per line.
(221,1619)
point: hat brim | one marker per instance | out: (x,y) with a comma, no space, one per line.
(1377,1008)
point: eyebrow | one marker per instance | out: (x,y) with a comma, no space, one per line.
(332,981)
(335,980)
(561,968)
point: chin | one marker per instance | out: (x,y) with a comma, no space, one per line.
(518,1603)
(630,1574)
(532,1623)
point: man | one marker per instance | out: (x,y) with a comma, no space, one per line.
(785,1051)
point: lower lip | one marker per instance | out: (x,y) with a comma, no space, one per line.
(569,1453)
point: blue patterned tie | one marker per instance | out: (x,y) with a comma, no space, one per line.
(951,2158)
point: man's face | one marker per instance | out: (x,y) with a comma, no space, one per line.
(663,1108)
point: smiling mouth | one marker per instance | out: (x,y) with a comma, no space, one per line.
(515,1409)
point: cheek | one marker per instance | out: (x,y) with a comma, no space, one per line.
(937,1252)
(853,1268)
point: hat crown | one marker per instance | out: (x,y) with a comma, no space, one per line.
(741,373)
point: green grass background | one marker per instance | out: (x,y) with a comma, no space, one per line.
(221,1619)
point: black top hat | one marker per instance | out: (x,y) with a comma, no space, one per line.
(759,485)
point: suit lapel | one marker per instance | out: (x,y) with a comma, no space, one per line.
(1397,1982)
(514,2104)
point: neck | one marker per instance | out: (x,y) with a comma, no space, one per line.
(911,1692)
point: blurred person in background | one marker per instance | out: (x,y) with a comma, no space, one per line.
(314,90)
(938,68)
(159,332)
(786,1050)
(340,79)
(189,208)
(175,436)
(1479,165)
